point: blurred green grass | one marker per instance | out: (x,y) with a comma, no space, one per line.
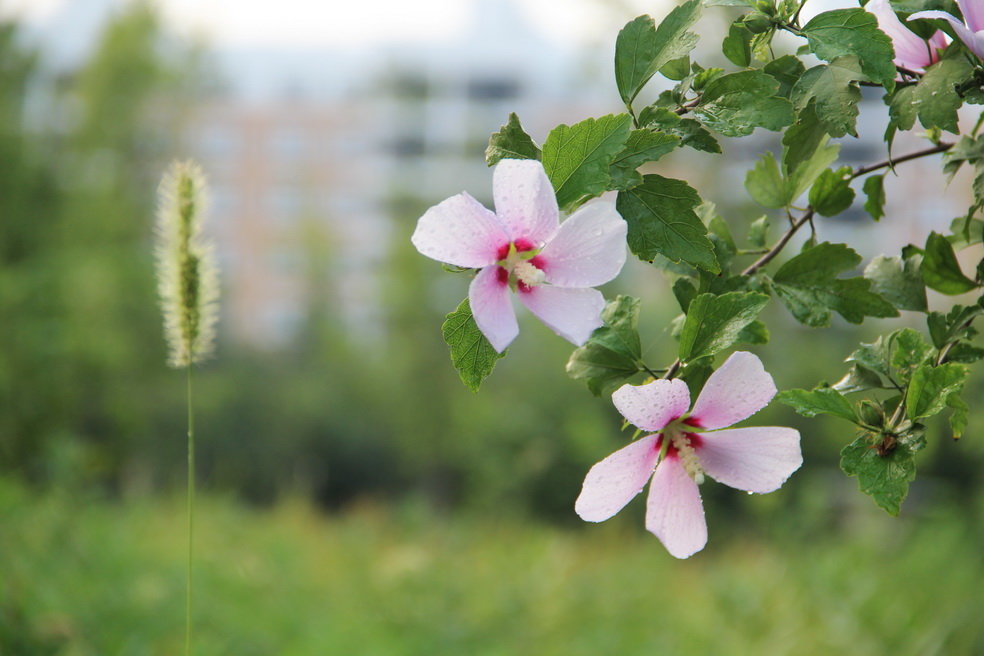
(87,577)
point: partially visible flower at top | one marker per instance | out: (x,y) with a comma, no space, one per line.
(683,447)
(551,266)
(911,50)
(187,278)
(970,30)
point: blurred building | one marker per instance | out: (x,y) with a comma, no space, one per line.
(318,159)
(310,152)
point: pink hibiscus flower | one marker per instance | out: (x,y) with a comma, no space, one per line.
(683,447)
(523,247)
(970,29)
(911,50)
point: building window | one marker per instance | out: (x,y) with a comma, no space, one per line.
(411,87)
(408,146)
(489,89)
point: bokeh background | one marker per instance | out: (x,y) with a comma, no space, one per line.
(355,498)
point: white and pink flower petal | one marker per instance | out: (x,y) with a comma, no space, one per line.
(737,390)
(588,249)
(757,459)
(674,512)
(973,13)
(460,231)
(525,200)
(492,308)
(973,40)
(911,51)
(616,480)
(653,405)
(570,312)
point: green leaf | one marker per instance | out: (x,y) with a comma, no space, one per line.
(754,333)
(822,400)
(719,233)
(641,147)
(758,232)
(641,48)
(676,69)
(736,104)
(929,388)
(831,194)
(835,93)
(786,70)
(874,189)
(511,142)
(841,32)
(940,269)
(737,46)
(934,100)
(858,379)
(817,265)
(874,357)
(802,139)
(886,477)
(471,353)
(715,322)
(898,280)
(908,350)
(577,157)
(695,373)
(954,325)
(684,291)
(802,177)
(691,132)
(771,188)
(661,221)
(964,352)
(808,287)
(958,418)
(765,183)
(612,353)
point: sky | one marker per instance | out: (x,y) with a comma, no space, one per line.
(353,23)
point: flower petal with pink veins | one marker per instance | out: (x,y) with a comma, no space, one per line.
(570,312)
(653,405)
(757,459)
(492,308)
(674,512)
(525,200)
(460,231)
(588,249)
(737,390)
(615,481)
(972,40)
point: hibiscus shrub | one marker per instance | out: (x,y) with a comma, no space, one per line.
(926,63)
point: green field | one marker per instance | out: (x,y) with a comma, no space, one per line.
(85,577)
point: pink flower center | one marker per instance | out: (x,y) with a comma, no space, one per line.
(683,444)
(520,265)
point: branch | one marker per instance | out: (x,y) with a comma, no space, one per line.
(864,170)
(808,214)
(683,109)
(779,245)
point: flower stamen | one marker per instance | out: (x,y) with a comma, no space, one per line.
(681,443)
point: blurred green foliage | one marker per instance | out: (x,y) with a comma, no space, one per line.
(85,577)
